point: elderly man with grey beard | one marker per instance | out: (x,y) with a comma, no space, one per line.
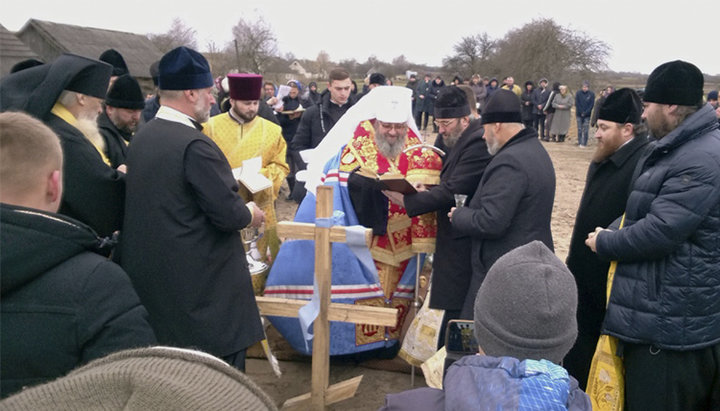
(513,203)
(67,96)
(463,166)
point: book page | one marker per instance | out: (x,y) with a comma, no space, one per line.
(249,175)
(283,91)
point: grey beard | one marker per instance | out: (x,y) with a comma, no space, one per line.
(390,150)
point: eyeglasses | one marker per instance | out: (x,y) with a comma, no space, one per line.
(391,126)
(444,123)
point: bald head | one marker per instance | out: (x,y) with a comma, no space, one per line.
(30,163)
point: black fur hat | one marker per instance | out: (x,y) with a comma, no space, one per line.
(622,106)
(675,82)
(125,93)
(451,103)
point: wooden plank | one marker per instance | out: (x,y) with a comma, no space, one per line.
(335,393)
(321,326)
(306,231)
(349,313)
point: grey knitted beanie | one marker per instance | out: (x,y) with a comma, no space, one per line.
(158,378)
(526,306)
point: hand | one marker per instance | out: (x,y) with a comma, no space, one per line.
(122,168)
(591,240)
(272,101)
(450,214)
(258,216)
(293,116)
(420,187)
(395,197)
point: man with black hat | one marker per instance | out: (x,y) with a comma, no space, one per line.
(461,172)
(664,306)
(242,135)
(375,80)
(120,117)
(513,203)
(181,244)
(621,139)
(67,95)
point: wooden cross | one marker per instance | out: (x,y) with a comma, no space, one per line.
(322,394)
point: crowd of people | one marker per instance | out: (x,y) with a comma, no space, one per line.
(122,218)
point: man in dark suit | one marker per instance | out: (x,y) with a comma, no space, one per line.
(462,170)
(513,203)
(181,244)
(621,139)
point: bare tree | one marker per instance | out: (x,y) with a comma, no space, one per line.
(472,55)
(323,64)
(180,34)
(543,48)
(399,65)
(256,44)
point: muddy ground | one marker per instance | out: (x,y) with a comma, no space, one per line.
(571,163)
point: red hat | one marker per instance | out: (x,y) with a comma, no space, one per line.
(245,86)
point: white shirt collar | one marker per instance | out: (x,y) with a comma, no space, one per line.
(170,114)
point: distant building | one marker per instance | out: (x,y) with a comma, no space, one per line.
(49,40)
(12,51)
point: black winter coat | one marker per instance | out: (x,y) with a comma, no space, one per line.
(62,304)
(431,96)
(462,170)
(181,245)
(116,141)
(317,120)
(512,206)
(94,193)
(666,289)
(606,191)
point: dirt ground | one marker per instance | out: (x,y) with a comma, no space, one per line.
(571,163)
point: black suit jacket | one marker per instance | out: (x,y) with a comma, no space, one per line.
(462,170)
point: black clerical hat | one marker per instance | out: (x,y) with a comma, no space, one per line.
(675,82)
(503,107)
(451,103)
(115,59)
(125,93)
(183,68)
(622,106)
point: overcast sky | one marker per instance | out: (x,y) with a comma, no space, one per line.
(641,34)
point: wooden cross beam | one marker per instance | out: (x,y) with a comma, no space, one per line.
(322,394)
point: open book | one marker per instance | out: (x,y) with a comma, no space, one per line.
(249,175)
(388,181)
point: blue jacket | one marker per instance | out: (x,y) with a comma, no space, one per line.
(480,382)
(666,289)
(584,102)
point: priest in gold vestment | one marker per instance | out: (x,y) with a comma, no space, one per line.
(241,135)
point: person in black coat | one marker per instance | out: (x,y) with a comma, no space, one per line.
(513,203)
(62,304)
(317,120)
(119,120)
(621,140)
(65,95)
(462,170)
(181,243)
(431,96)
(539,98)
(289,123)
(526,99)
